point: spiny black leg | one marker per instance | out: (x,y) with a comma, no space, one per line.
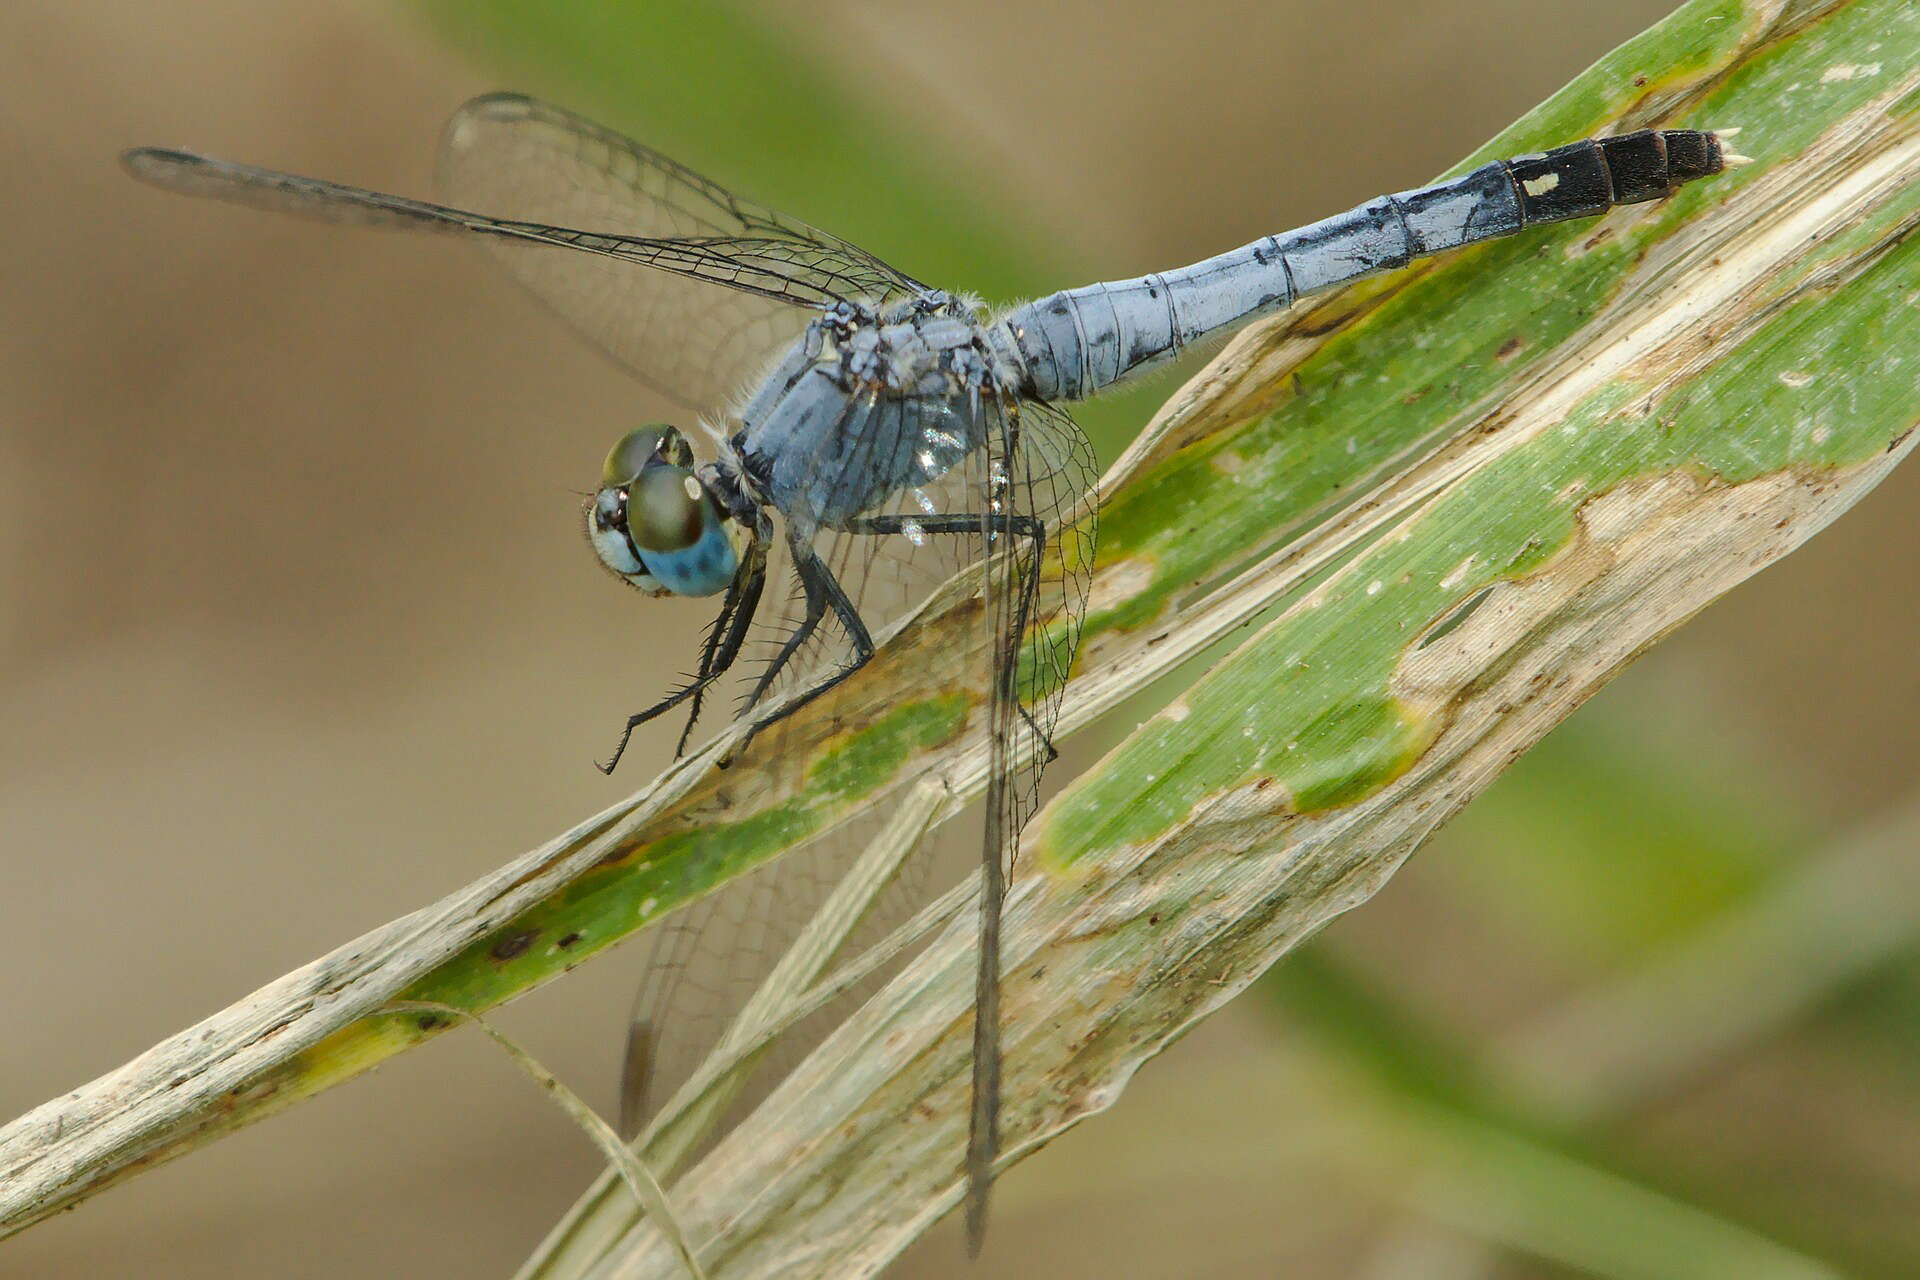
(709,649)
(1023,526)
(823,592)
(1029,588)
(724,642)
(809,622)
(1038,732)
(743,601)
(639,718)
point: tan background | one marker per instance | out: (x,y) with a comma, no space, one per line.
(297,630)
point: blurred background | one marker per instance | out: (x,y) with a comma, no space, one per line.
(297,632)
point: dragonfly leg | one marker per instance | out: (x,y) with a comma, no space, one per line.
(736,616)
(823,593)
(1046,739)
(1020,526)
(691,689)
(725,639)
(809,623)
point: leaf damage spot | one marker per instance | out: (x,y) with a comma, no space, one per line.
(1120,583)
(1459,573)
(1840,71)
(513,945)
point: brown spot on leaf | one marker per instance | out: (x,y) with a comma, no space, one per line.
(513,944)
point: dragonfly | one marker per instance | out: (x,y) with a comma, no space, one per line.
(865,425)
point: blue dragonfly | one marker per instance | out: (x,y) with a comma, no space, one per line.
(871,434)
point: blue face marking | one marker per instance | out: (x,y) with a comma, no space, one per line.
(703,569)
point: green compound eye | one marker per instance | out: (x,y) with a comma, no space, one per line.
(654,523)
(667,510)
(641,446)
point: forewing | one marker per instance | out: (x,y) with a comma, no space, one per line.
(527,160)
(1039,570)
(572,209)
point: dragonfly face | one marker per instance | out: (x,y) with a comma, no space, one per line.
(655,524)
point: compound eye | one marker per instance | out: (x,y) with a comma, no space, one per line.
(655,524)
(642,445)
(667,509)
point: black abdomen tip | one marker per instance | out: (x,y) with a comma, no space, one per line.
(1640,164)
(1651,163)
(1692,154)
(1585,178)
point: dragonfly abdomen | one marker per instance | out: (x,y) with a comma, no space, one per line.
(1076,343)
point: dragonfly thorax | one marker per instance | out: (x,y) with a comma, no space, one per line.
(866,404)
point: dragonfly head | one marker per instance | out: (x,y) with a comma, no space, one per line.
(655,524)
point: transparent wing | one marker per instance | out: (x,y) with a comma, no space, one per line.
(1039,465)
(1027,475)
(572,208)
(527,160)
